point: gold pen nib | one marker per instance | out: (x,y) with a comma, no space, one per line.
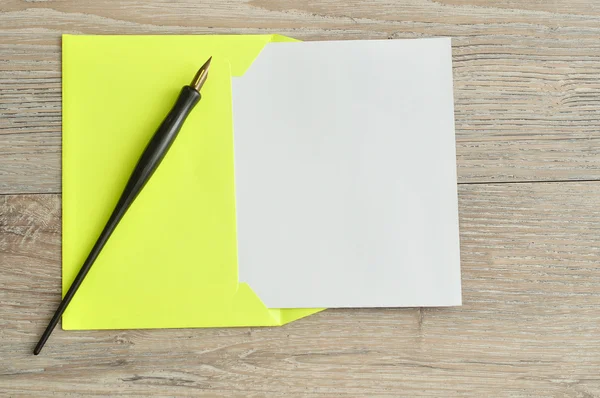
(201,75)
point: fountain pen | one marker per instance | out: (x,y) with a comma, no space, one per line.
(148,162)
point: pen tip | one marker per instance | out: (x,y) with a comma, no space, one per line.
(201,75)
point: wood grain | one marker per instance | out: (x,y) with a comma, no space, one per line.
(527,74)
(530,324)
(527,104)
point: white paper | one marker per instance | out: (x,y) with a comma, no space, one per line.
(346,175)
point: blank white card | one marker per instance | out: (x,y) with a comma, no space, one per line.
(346,175)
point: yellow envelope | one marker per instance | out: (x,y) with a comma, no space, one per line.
(172,261)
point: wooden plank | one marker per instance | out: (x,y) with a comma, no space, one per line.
(527,76)
(530,324)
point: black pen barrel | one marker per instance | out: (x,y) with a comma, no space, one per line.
(151,158)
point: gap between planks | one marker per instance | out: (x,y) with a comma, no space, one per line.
(458,183)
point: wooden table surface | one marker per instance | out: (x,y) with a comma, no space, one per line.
(527,93)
